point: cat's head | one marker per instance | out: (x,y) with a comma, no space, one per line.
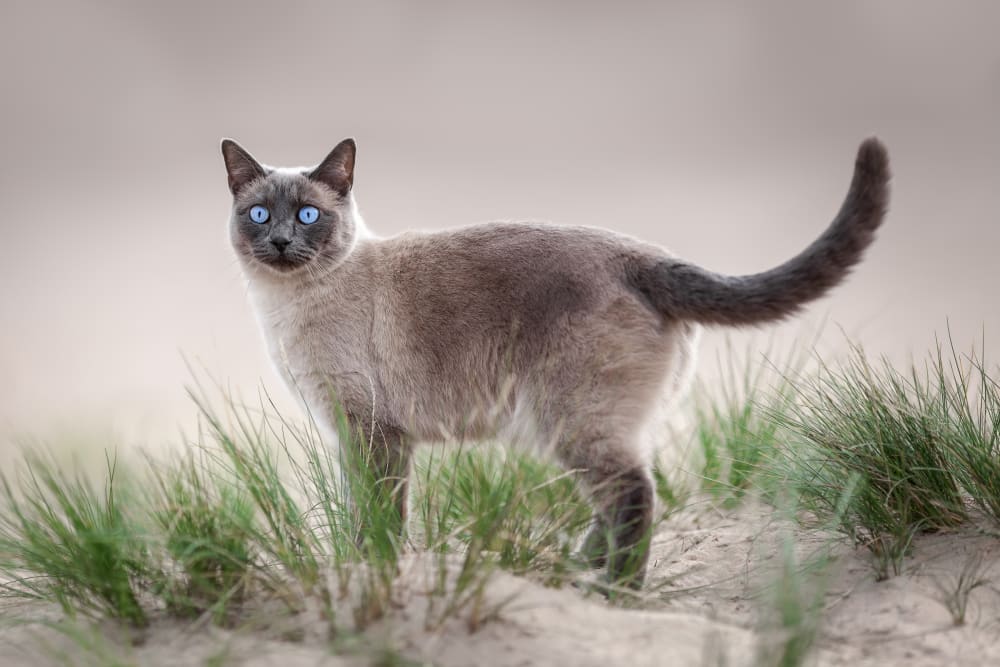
(286,221)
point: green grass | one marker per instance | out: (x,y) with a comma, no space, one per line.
(736,432)
(878,452)
(207,526)
(972,398)
(62,538)
(495,509)
(875,449)
(259,514)
(526,512)
(791,606)
(258,511)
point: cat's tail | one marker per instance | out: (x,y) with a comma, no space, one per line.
(685,291)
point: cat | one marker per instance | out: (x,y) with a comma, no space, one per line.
(569,334)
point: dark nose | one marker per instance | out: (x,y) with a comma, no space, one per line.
(280,243)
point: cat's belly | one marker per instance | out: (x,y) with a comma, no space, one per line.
(473,400)
(422,412)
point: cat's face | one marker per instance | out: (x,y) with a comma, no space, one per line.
(291,220)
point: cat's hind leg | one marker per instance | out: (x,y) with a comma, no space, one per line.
(600,440)
(623,498)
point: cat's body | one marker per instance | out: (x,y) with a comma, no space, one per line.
(444,310)
(563,335)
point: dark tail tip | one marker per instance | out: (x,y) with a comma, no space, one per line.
(872,162)
(688,291)
(868,198)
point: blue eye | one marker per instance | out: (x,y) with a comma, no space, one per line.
(308,215)
(259,214)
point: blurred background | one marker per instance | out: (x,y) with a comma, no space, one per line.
(723,131)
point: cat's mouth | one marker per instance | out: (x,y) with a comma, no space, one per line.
(284,262)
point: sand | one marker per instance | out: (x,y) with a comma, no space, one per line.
(706,603)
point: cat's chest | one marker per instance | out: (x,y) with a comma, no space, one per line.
(318,345)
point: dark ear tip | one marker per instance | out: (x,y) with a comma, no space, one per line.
(228,145)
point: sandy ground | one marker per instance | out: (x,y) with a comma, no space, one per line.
(706,603)
(902,620)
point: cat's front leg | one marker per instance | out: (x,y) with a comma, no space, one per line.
(377,463)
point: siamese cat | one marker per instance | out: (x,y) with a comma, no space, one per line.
(569,334)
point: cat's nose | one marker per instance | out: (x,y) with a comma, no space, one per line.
(280,243)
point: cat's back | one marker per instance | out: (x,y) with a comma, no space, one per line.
(503,253)
(452,285)
(462,310)
(488,238)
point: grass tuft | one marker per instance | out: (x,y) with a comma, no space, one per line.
(955,594)
(737,432)
(526,512)
(62,539)
(792,606)
(260,510)
(881,439)
(495,509)
(207,526)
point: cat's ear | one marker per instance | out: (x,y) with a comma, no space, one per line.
(240,165)
(337,170)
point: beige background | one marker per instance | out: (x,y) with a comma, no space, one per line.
(725,131)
